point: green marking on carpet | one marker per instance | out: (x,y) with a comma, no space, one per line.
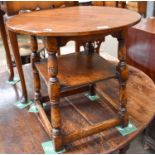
(126,130)
(14,81)
(23,105)
(92,98)
(48,148)
(33,108)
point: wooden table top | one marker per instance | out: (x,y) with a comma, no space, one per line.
(147,25)
(73,21)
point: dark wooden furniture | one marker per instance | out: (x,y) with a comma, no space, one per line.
(140,49)
(77,72)
(12,8)
(141,54)
(104,3)
(121,4)
(139,6)
(26,134)
(6,46)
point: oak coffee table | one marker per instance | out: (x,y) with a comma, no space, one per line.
(77,72)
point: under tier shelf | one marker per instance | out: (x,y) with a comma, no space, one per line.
(78,69)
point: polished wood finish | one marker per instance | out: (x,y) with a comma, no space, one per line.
(6,46)
(71,24)
(97,128)
(105,3)
(36,82)
(43,119)
(14,7)
(15,49)
(77,112)
(88,68)
(121,4)
(140,46)
(122,73)
(146,25)
(54,91)
(35,58)
(19,6)
(75,69)
(139,6)
(141,54)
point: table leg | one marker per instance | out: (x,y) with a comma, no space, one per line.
(89,48)
(92,91)
(15,49)
(6,47)
(54,91)
(122,72)
(77,46)
(98,43)
(35,58)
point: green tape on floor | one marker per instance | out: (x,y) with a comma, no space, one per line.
(92,98)
(48,148)
(127,130)
(14,81)
(23,105)
(33,108)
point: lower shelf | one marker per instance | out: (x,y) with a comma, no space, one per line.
(79,69)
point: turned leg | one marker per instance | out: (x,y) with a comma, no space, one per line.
(59,53)
(54,91)
(98,43)
(92,91)
(93,47)
(6,47)
(15,49)
(89,48)
(122,72)
(35,58)
(77,46)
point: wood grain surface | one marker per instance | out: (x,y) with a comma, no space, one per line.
(140,46)
(146,25)
(87,69)
(20,131)
(72,21)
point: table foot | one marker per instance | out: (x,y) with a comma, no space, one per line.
(92,97)
(13,81)
(20,105)
(48,148)
(126,130)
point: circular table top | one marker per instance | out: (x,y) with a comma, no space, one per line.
(147,25)
(73,21)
